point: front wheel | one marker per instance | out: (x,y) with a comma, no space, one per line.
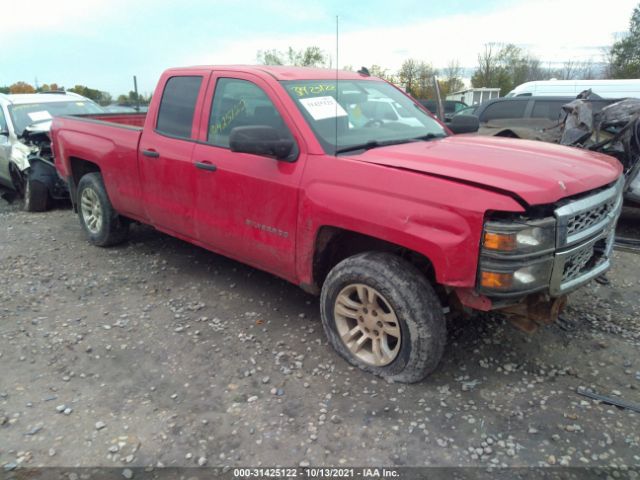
(36,196)
(382,315)
(103,225)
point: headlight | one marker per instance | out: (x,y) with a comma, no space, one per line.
(516,256)
(513,238)
(501,277)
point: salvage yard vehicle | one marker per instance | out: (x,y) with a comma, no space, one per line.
(451,107)
(606,125)
(532,118)
(570,88)
(391,224)
(26,166)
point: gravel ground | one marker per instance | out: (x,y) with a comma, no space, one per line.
(161,353)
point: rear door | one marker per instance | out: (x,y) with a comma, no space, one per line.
(246,204)
(166,171)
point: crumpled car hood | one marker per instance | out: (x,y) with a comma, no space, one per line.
(40,127)
(539,173)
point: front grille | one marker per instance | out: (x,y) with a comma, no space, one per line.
(584,260)
(584,220)
(585,233)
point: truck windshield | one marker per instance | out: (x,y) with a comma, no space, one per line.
(348,115)
(25,114)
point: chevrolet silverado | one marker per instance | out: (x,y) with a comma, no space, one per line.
(341,183)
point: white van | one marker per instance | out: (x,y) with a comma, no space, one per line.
(571,88)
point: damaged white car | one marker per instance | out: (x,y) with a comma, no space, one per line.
(26,162)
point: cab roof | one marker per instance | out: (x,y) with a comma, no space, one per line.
(282,72)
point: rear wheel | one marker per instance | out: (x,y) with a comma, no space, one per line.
(382,315)
(36,196)
(102,224)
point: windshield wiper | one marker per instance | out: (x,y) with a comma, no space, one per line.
(375,143)
(363,146)
(430,136)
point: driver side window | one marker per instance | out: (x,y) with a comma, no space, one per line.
(239,103)
(3,122)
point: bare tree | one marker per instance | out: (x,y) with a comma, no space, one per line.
(452,77)
(587,70)
(408,75)
(426,72)
(488,64)
(568,70)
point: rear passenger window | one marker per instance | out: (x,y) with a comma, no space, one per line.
(178,103)
(239,103)
(507,109)
(547,109)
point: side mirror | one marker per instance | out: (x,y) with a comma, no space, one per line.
(260,140)
(464,124)
(4,133)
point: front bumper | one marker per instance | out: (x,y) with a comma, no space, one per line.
(585,231)
(578,265)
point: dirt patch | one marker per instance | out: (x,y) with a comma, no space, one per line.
(161,353)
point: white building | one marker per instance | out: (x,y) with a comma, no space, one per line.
(474,96)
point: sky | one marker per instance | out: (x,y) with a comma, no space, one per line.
(103,43)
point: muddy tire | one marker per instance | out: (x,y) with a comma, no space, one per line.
(36,196)
(383,316)
(102,224)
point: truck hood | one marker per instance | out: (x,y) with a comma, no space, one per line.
(537,172)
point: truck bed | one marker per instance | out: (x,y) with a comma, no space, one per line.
(111,142)
(128,119)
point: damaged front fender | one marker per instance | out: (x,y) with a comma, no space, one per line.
(20,155)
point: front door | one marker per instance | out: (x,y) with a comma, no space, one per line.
(246,204)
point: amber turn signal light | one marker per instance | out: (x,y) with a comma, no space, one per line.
(500,241)
(496,280)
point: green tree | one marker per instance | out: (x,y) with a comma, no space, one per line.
(625,53)
(308,57)
(98,96)
(270,57)
(4,89)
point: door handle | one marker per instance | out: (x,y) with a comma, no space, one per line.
(206,166)
(150,153)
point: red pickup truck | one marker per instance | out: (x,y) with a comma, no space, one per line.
(344,185)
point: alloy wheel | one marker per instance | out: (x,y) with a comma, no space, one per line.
(367,324)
